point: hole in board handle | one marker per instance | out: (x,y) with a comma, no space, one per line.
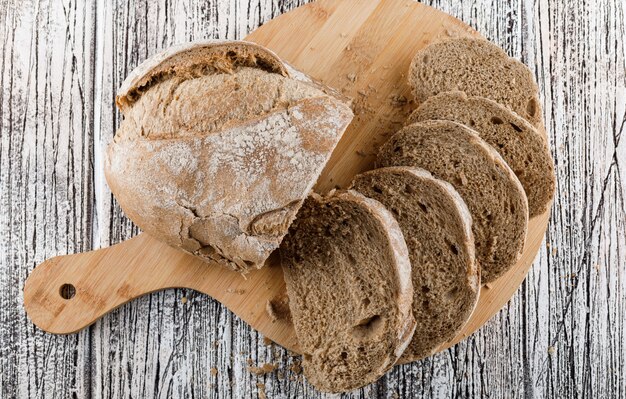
(67,291)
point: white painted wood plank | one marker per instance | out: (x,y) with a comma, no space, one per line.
(562,335)
(46,113)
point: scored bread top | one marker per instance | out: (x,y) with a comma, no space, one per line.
(523,148)
(478,68)
(215,158)
(494,196)
(347,272)
(195,59)
(437,227)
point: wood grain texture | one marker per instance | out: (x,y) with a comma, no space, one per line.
(562,336)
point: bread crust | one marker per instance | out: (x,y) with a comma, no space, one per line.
(479,174)
(524,149)
(478,68)
(228,194)
(400,328)
(389,186)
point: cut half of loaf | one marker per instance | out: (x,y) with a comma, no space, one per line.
(523,148)
(494,196)
(437,228)
(478,68)
(348,278)
(220,143)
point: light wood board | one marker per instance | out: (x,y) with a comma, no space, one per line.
(361,48)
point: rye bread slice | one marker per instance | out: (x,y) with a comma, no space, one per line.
(494,196)
(478,68)
(437,228)
(523,148)
(348,278)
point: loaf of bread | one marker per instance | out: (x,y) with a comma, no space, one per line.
(437,227)
(478,68)
(348,279)
(523,148)
(221,142)
(494,196)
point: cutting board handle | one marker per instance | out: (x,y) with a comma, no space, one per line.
(67,293)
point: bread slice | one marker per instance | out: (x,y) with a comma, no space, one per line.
(220,143)
(348,278)
(494,196)
(437,227)
(523,148)
(478,68)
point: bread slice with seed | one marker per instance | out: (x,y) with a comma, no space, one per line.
(437,228)
(523,148)
(348,278)
(478,68)
(494,196)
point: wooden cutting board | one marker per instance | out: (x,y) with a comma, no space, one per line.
(362,48)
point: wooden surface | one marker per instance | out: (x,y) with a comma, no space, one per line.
(362,50)
(562,335)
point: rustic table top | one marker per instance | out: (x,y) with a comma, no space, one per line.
(563,335)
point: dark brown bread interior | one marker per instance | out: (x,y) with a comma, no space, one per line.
(494,196)
(348,279)
(523,148)
(437,229)
(478,68)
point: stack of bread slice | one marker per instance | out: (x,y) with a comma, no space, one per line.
(461,180)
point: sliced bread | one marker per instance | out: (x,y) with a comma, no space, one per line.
(494,196)
(437,227)
(478,68)
(348,278)
(523,148)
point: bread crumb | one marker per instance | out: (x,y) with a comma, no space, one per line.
(238,291)
(261,388)
(361,153)
(488,286)
(398,100)
(213,371)
(451,33)
(216,344)
(183,299)
(267,341)
(296,367)
(264,369)
(249,361)
(278,308)
(551,350)
(352,77)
